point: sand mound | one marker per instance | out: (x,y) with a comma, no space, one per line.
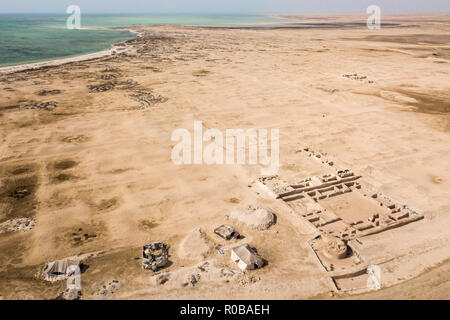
(254,218)
(195,246)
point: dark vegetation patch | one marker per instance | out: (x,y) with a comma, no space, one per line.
(19,194)
(83,234)
(234,200)
(146,225)
(75,139)
(65,164)
(108,204)
(119,171)
(201,73)
(63,177)
(411,39)
(432,103)
(22,169)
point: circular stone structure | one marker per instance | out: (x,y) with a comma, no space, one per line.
(334,247)
(254,218)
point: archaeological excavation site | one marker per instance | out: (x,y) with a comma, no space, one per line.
(342,210)
(305,159)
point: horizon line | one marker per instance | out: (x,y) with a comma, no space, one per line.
(231,13)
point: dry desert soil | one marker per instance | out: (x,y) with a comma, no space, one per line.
(85,152)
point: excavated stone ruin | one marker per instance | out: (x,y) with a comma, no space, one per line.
(147,98)
(47,106)
(155,255)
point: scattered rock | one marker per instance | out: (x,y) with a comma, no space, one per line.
(192,279)
(204,267)
(48,92)
(70,294)
(147,98)
(227,273)
(162,279)
(110,76)
(47,106)
(121,85)
(15,225)
(101,87)
(246,280)
(109,288)
(80,236)
(211,271)
(357,77)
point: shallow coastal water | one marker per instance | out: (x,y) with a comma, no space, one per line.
(32,38)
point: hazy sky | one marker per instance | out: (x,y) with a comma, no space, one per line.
(225,6)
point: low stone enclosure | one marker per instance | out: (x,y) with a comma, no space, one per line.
(341,209)
(227,232)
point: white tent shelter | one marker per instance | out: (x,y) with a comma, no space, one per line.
(60,269)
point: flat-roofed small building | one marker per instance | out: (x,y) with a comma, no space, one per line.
(246,258)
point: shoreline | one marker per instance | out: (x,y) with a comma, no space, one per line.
(97,54)
(293,24)
(115,48)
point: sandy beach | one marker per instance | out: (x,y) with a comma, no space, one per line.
(86,147)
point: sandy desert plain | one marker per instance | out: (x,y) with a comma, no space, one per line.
(85,155)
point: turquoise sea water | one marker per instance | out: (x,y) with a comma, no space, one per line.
(32,38)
